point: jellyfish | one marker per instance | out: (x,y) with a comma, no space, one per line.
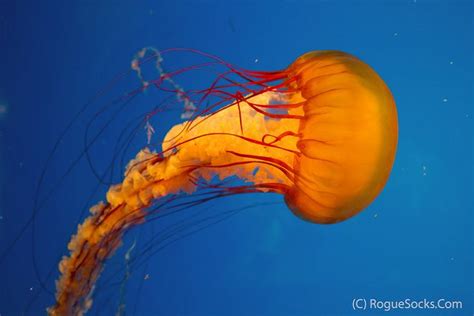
(321,132)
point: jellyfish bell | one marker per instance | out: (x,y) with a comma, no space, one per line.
(348,137)
(322,132)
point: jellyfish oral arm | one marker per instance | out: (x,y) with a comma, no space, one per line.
(209,147)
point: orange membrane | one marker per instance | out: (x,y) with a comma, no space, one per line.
(323,133)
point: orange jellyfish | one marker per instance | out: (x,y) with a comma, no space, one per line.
(322,132)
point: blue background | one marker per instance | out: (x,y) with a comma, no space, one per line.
(415,241)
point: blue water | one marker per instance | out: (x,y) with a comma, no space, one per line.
(414,242)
